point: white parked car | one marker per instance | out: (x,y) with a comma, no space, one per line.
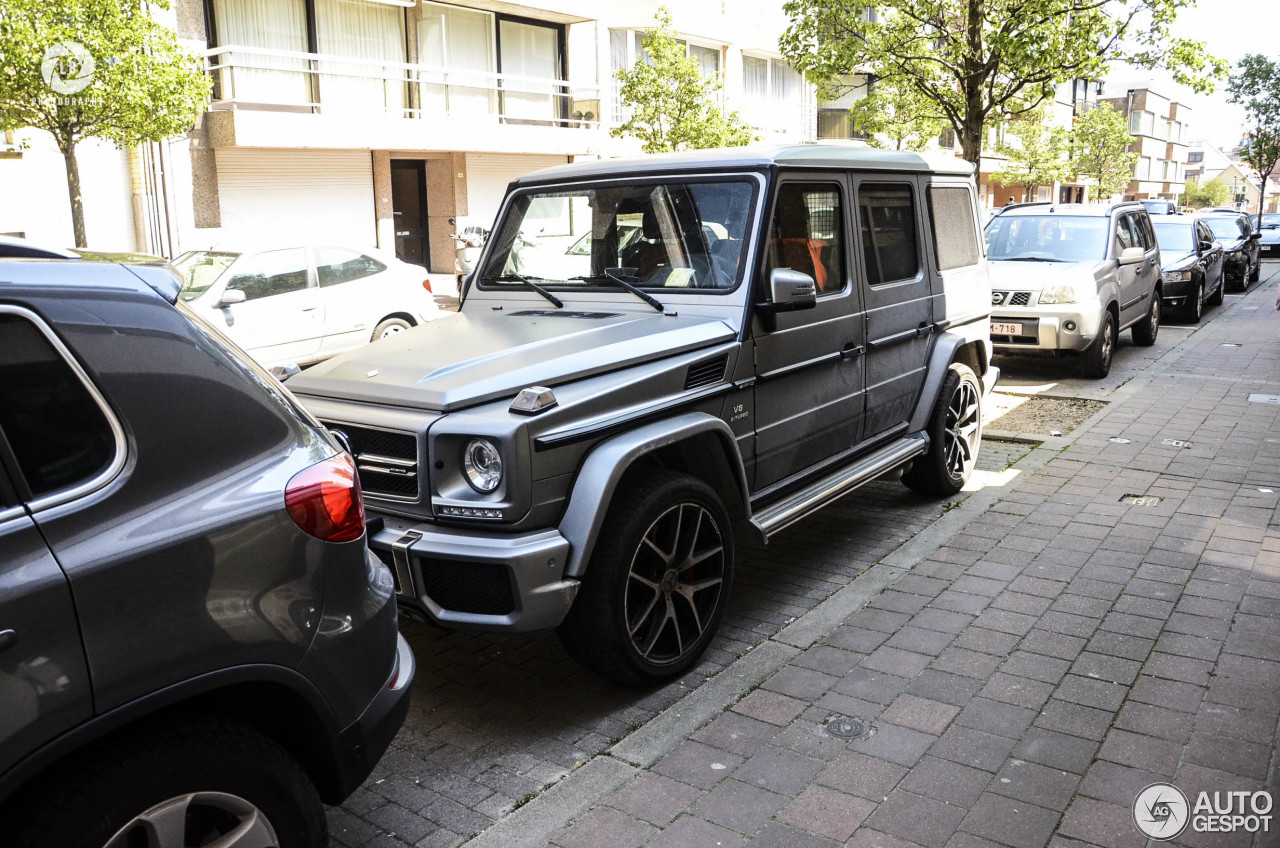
(303,304)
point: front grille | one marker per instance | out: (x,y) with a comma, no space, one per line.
(387,461)
(482,588)
(1001,298)
(1020,299)
(1014,340)
(706,373)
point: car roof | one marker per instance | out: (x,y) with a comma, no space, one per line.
(1085,210)
(65,275)
(242,246)
(757,157)
(18,246)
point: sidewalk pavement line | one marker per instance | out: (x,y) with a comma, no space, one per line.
(844,602)
(533,825)
(662,733)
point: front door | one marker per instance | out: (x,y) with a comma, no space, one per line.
(809,382)
(409,210)
(898,301)
(282,317)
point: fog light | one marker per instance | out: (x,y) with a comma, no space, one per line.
(1069,326)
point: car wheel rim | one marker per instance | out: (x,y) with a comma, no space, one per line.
(1199,302)
(392,330)
(200,818)
(674,584)
(963,430)
(1155,316)
(1107,342)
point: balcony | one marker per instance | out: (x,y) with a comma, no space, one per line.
(275,98)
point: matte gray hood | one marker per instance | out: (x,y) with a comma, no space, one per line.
(468,359)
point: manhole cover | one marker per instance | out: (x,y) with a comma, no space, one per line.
(1175,443)
(843,727)
(1140,500)
(1272,399)
(1118,440)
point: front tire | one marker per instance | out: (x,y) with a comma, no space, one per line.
(185,782)
(658,581)
(1257,271)
(1095,362)
(1195,309)
(1146,330)
(955,435)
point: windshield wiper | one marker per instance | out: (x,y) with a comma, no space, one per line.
(640,293)
(521,278)
(1029,259)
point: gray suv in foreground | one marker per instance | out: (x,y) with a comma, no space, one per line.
(196,646)
(658,359)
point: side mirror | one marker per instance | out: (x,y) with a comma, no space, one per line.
(231,297)
(789,291)
(1255,237)
(1132,255)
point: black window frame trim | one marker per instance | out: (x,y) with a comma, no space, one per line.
(63,496)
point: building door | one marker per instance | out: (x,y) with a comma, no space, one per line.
(409,211)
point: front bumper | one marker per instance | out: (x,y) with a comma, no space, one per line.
(474,578)
(1071,326)
(1176,295)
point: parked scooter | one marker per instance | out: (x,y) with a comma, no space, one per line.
(469,242)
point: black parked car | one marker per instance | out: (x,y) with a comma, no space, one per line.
(1239,244)
(196,646)
(1192,265)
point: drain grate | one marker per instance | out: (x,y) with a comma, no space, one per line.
(1140,500)
(1119,440)
(1175,443)
(844,727)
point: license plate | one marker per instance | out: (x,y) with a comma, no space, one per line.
(1001,328)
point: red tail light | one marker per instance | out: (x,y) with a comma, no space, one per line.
(324,500)
(426,284)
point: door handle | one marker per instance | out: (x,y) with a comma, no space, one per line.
(8,638)
(850,351)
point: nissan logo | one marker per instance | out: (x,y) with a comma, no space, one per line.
(997,298)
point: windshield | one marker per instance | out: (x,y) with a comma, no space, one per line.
(674,236)
(1176,236)
(1224,228)
(1271,221)
(199,269)
(1047,238)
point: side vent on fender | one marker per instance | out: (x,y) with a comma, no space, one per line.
(706,373)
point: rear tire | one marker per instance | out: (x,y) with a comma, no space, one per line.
(1146,330)
(658,581)
(1095,362)
(955,435)
(207,775)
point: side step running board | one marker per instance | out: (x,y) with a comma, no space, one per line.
(797,505)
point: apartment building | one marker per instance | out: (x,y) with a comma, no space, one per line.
(1158,125)
(375,122)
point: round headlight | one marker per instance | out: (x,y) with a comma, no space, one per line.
(482,464)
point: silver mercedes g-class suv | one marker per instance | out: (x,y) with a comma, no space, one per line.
(657,358)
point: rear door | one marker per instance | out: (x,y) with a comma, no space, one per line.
(1132,278)
(44,679)
(809,377)
(899,304)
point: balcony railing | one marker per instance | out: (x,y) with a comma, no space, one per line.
(279,80)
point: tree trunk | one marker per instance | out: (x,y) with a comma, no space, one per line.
(73,189)
(971,86)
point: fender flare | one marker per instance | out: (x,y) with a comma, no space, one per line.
(604,467)
(940,359)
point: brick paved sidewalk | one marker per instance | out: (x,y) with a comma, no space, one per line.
(1031,676)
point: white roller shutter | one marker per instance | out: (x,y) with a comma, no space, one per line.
(487,178)
(297,196)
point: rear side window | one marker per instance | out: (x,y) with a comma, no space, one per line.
(806,236)
(954,230)
(54,426)
(1142,224)
(336,265)
(886,213)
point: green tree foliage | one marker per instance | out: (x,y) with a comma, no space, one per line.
(131,83)
(1100,151)
(1256,87)
(1199,195)
(989,60)
(1039,157)
(895,115)
(673,106)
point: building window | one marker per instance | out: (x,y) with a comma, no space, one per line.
(372,32)
(834,120)
(1143,169)
(947,139)
(256,78)
(1142,123)
(769,78)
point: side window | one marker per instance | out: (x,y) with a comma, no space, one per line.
(807,234)
(336,265)
(951,216)
(1142,227)
(271,273)
(1125,237)
(886,214)
(54,426)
